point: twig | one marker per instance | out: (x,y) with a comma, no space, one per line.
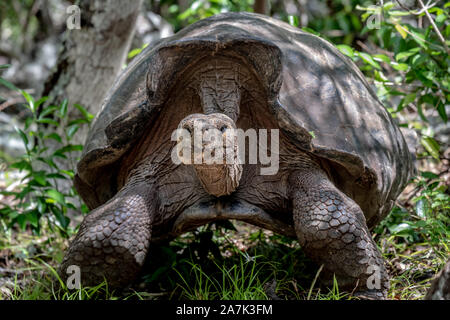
(11,102)
(365,47)
(428,6)
(436,29)
(11,271)
(418,188)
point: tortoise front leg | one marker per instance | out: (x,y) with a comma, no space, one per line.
(113,239)
(332,230)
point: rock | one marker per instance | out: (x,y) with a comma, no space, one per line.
(440,288)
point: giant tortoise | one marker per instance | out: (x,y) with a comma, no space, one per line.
(342,160)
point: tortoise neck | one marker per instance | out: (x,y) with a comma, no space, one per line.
(219,87)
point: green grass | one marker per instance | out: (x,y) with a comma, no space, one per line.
(411,266)
(242,281)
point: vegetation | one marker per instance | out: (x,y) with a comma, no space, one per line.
(403,52)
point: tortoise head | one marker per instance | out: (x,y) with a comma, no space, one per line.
(214,151)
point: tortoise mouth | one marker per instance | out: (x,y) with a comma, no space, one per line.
(220,179)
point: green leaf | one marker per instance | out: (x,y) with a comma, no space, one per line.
(29,99)
(69,148)
(388,5)
(33,218)
(59,155)
(382,57)
(48,121)
(347,50)
(47,161)
(406,54)
(84,112)
(77,121)
(441,18)
(21,219)
(134,53)
(429,175)
(69,173)
(368,59)
(56,176)
(22,165)
(71,206)
(40,101)
(422,76)
(63,108)
(431,146)
(41,205)
(71,130)
(39,176)
(402,30)
(53,136)
(28,122)
(421,114)
(419,39)
(312,31)
(400,228)
(422,208)
(23,136)
(60,217)
(386,34)
(400,66)
(8,84)
(56,196)
(293,21)
(46,111)
(409,98)
(419,59)
(441,111)
(397,13)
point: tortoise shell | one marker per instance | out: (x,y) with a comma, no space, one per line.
(316,95)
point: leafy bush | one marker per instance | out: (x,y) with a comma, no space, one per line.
(200,9)
(430,221)
(39,195)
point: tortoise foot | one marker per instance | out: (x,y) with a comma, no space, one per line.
(113,240)
(332,230)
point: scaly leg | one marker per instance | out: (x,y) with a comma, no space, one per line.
(332,230)
(113,239)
